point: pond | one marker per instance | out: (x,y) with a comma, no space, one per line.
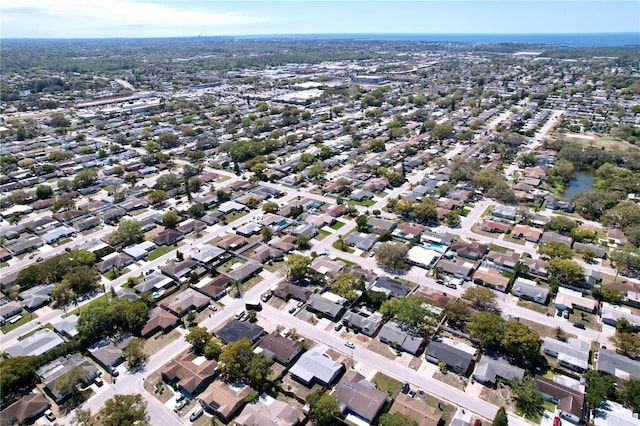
(582,181)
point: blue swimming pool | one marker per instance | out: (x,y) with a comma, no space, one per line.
(437,247)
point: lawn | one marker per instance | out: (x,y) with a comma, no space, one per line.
(158,252)
(534,306)
(96,300)
(338,245)
(337,225)
(348,262)
(589,320)
(26,317)
(510,239)
(387,384)
(159,341)
(230,217)
(324,232)
(499,249)
(446,409)
(32,332)
(364,203)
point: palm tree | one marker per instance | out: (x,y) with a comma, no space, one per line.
(560,333)
(341,240)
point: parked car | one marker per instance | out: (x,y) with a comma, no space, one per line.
(49,415)
(98,381)
(579,325)
(292,309)
(405,388)
(557,421)
(349,345)
(477,423)
(338,327)
(213,308)
(180,405)
(195,414)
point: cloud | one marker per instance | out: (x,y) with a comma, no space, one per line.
(117,18)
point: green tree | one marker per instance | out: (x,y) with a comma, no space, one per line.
(377,145)
(627,343)
(630,394)
(561,224)
(488,328)
(528,400)
(69,382)
(456,311)
(213,349)
(323,408)
(554,249)
(85,178)
(81,417)
(134,353)
(442,131)
(391,256)
(158,196)
(481,297)
(601,386)
(44,192)
(347,286)
(565,271)
(125,410)
(361,223)
(303,242)
(17,373)
(105,317)
(410,309)
(501,418)
(168,140)
(626,258)
(266,233)
(521,341)
(396,419)
(198,337)
(168,181)
(297,266)
(62,204)
(426,211)
(170,220)
(239,362)
(129,232)
(270,207)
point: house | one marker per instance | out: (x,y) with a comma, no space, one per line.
(235,330)
(422,256)
(456,269)
(458,358)
(610,413)
(154,282)
(207,255)
(323,305)
(359,397)
(493,226)
(570,402)
(168,237)
(527,232)
(324,265)
(402,336)
(360,240)
(245,271)
(57,234)
(264,253)
(307,230)
(536,266)
(491,278)
(337,210)
(232,242)
(286,291)
(572,354)
(139,251)
(230,207)
(267,411)
(617,365)
(190,225)
(361,195)
(51,373)
(224,399)
(108,352)
(159,320)
(416,410)
(26,410)
(505,212)
(66,326)
(381,226)
(114,261)
(315,367)
(9,310)
(40,342)
(553,203)
(320,221)
(528,289)
(571,299)
(596,249)
(178,270)
(506,261)
(190,373)
(216,287)
(489,370)
(390,287)
(554,237)
(37,296)
(616,237)
(367,323)
(449,204)
(279,348)
(187,301)
(406,231)
(473,251)
(248,229)
(611,314)
(284,244)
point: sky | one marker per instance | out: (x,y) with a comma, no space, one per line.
(188,18)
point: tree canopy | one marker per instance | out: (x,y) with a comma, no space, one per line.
(124,410)
(103,318)
(129,232)
(391,255)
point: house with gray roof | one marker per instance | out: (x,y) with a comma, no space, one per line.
(108,352)
(9,309)
(389,286)
(155,281)
(38,343)
(554,237)
(230,207)
(456,269)
(530,290)
(489,370)
(402,336)
(360,240)
(505,212)
(35,297)
(611,314)
(235,330)
(368,323)
(572,354)
(598,250)
(618,365)
(245,271)
(315,367)
(187,301)
(179,270)
(326,307)
(140,250)
(66,326)
(359,397)
(457,360)
(207,254)
(52,373)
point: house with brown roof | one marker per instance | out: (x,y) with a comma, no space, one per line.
(26,409)
(190,372)
(179,270)
(407,231)
(245,271)
(380,226)
(493,226)
(287,290)
(232,242)
(554,237)
(506,261)
(337,210)
(168,237)
(570,402)
(187,301)
(359,397)
(473,251)
(224,399)
(264,253)
(159,320)
(527,232)
(489,277)
(284,244)
(325,265)
(536,266)
(449,204)
(416,410)
(279,348)
(216,287)
(268,411)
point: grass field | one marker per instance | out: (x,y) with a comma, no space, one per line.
(337,225)
(159,251)
(387,384)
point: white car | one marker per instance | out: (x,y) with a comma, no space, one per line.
(180,405)
(349,345)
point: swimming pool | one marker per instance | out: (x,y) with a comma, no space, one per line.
(437,247)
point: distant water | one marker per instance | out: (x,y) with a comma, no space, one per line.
(582,181)
(568,40)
